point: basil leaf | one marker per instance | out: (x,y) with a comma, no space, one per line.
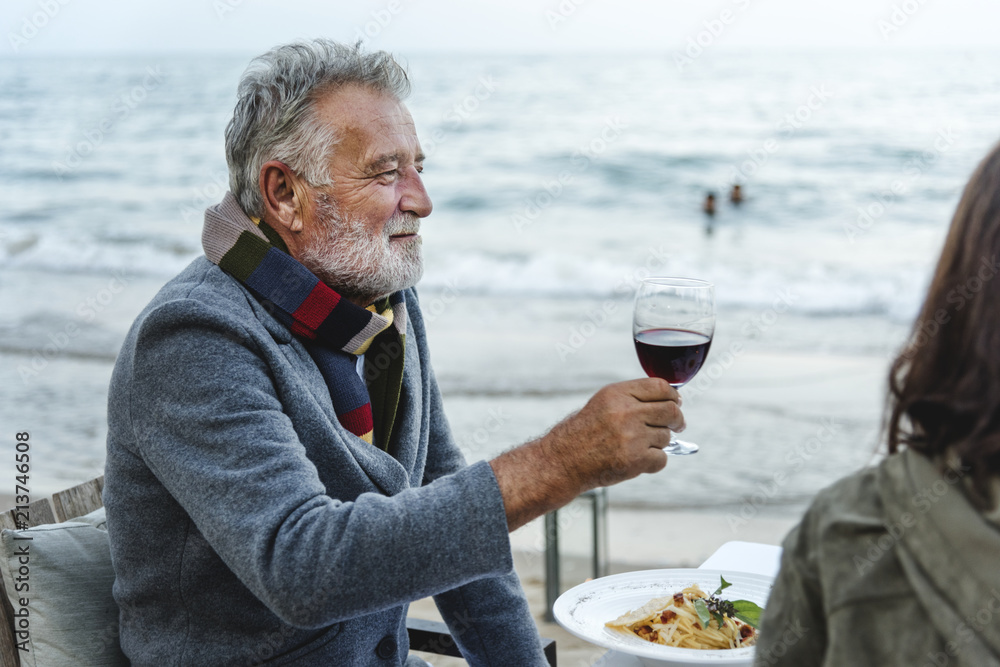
(723,586)
(704,615)
(748,612)
(719,619)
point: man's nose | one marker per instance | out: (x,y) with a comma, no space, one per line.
(415,198)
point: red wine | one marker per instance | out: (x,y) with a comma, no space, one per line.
(672,354)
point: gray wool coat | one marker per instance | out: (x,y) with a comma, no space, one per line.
(247,526)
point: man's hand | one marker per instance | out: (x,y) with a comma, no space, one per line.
(619,434)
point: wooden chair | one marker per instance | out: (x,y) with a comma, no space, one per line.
(426,636)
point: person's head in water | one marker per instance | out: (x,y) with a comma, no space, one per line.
(709,205)
(736,194)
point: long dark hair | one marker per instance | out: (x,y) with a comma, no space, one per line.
(944,387)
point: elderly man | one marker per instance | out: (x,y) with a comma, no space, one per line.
(281,480)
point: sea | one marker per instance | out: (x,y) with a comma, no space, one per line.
(559,183)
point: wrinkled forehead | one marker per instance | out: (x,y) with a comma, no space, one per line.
(368,123)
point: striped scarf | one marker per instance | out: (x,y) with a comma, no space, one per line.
(333,330)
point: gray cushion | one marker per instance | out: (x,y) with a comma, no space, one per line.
(72,616)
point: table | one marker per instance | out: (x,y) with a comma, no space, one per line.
(739,556)
(751,557)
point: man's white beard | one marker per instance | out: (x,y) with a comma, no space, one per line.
(357,264)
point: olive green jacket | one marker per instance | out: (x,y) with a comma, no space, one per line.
(890,566)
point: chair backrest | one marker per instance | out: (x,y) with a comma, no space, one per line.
(77,501)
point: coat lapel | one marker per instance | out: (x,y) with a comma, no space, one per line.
(404,445)
(384,471)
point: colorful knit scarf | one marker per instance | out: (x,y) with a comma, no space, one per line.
(333,330)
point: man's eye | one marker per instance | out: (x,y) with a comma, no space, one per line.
(392,173)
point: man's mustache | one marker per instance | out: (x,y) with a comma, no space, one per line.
(402,223)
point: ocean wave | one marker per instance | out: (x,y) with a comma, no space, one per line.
(809,287)
(821,291)
(76,254)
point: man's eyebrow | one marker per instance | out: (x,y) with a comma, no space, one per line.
(383,161)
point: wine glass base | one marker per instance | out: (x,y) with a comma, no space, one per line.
(680,448)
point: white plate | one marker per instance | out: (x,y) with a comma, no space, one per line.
(583,610)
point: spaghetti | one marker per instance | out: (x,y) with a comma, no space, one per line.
(674,621)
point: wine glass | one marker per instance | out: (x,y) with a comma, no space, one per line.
(672,326)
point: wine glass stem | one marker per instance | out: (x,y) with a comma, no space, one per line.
(680,447)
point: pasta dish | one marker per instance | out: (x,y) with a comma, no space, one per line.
(690,619)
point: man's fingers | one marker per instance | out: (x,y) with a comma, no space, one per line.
(651,389)
(666,415)
(655,460)
(659,436)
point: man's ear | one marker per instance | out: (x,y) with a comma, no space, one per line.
(283,194)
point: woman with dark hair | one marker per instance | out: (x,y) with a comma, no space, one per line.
(899,564)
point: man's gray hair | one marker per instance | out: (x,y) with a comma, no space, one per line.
(275,115)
